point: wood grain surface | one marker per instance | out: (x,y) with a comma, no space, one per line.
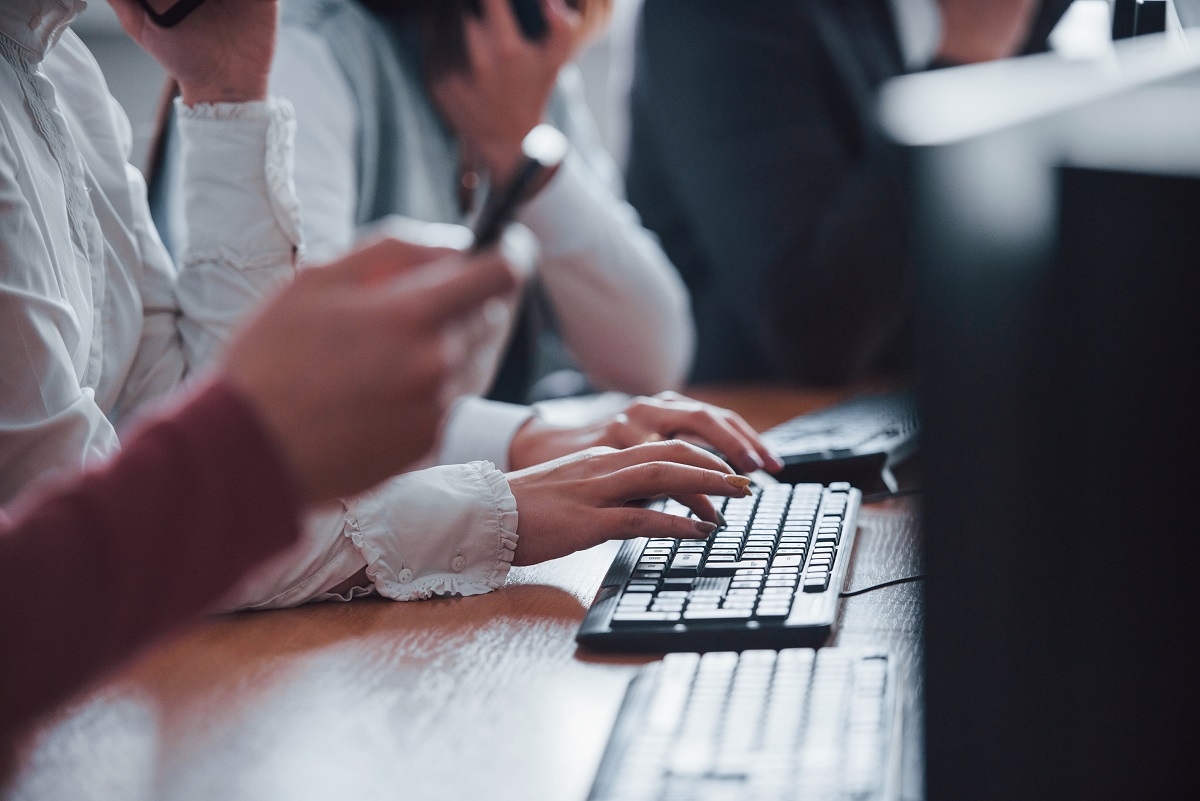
(482,697)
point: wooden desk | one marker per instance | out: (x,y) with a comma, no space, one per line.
(483,697)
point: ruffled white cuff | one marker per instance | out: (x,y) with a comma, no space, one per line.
(448,530)
(240,201)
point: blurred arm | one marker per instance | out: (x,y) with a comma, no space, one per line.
(136,548)
(623,310)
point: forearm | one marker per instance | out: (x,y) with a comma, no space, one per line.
(136,548)
(622,308)
(243,237)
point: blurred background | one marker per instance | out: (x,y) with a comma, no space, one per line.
(136,80)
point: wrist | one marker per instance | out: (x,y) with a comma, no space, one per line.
(522,443)
(537,441)
(502,163)
(210,93)
(274,430)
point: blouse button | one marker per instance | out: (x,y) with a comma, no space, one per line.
(459,563)
(404,576)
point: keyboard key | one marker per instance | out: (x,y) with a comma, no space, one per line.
(730,568)
(685,564)
(716,614)
(621,616)
(683,584)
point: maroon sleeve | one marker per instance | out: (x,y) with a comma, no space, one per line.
(93,569)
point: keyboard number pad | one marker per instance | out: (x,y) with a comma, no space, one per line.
(769,724)
(779,541)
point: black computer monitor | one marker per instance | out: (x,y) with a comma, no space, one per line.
(1055,212)
(1140,17)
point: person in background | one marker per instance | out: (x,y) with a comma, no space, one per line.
(385,337)
(99,324)
(219,482)
(416,108)
(756,158)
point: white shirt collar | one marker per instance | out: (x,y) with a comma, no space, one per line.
(36,25)
(919,28)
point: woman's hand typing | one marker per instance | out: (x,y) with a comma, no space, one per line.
(665,416)
(580,500)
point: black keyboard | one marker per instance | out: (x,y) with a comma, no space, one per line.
(792,724)
(856,441)
(769,579)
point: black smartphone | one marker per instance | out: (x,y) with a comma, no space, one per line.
(175,13)
(544,149)
(530,18)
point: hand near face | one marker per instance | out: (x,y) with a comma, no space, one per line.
(221,53)
(503,93)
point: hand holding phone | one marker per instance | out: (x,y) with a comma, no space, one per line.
(174,14)
(542,151)
(222,54)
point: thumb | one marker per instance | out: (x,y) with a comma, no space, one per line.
(382,260)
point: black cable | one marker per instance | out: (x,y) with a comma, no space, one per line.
(873,587)
(886,494)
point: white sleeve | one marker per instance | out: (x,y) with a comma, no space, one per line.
(448,530)
(622,308)
(305,72)
(243,234)
(323,557)
(481,429)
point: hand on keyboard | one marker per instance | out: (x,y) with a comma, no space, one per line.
(579,501)
(664,416)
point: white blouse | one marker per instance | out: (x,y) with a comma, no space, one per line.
(96,322)
(623,310)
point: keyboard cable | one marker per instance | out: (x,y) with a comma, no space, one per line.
(888,494)
(880,586)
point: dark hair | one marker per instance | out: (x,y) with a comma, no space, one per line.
(440,23)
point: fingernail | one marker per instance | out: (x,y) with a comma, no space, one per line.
(755,460)
(705,527)
(777,459)
(741,482)
(721,519)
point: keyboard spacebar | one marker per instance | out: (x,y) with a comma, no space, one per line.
(729,568)
(716,614)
